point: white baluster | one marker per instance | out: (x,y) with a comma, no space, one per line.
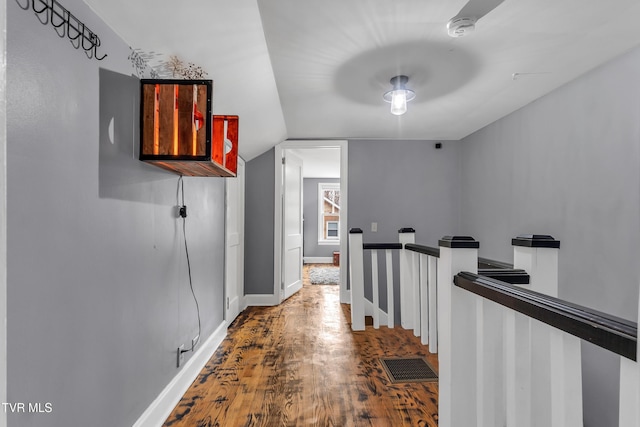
(489,367)
(415,286)
(432,289)
(407,293)
(629,393)
(356,279)
(424,298)
(390,308)
(566,379)
(517,369)
(374,289)
(630,389)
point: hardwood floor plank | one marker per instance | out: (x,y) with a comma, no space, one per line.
(299,364)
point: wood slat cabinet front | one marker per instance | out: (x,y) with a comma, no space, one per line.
(179,133)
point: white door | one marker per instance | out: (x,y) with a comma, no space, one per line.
(234,258)
(291,225)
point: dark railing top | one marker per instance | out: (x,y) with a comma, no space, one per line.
(535,241)
(609,332)
(490,263)
(459,242)
(509,275)
(355,231)
(427,250)
(366,246)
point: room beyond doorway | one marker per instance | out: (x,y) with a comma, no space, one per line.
(324,173)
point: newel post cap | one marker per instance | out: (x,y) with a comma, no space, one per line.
(536,241)
(459,242)
(406,230)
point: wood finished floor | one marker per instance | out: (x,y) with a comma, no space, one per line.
(299,364)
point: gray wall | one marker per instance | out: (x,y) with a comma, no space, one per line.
(98,293)
(310,212)
(567,165)
(259,218)
(403,184)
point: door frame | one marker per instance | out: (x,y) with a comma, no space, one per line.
(278,214)
(235,306)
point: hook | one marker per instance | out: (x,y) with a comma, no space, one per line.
(67,24)
(90,38)
(45,10)
(71,27)
(96,44)
(33,6)
(64,16)
(23,7)
(95,55)
(61,28)
(75,41)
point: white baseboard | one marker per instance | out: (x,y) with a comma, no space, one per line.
(261,300)
(234,309)
(317,260)
(345,296)
(161,408)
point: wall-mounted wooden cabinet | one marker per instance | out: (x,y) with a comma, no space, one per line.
(225,142)
(179,133)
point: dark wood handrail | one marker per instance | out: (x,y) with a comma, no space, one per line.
(509,275)
(612,333)
(490,263)
(372,246)
(427,250)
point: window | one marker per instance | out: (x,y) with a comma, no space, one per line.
(329,213)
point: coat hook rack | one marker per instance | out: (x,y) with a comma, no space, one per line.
(65,24)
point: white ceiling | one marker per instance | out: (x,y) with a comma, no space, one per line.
(294,69)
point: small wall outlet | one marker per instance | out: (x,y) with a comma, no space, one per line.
(194,341)
(180,355)
(374,227)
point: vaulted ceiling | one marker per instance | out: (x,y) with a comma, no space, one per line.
(298,69)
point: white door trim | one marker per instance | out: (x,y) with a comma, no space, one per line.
(234,241)
(277,226)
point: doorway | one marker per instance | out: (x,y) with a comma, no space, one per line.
(287,263)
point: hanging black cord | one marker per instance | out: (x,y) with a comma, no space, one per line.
(186,250)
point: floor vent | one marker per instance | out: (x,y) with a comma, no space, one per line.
(408,369)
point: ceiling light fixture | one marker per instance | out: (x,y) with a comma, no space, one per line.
(399,95)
